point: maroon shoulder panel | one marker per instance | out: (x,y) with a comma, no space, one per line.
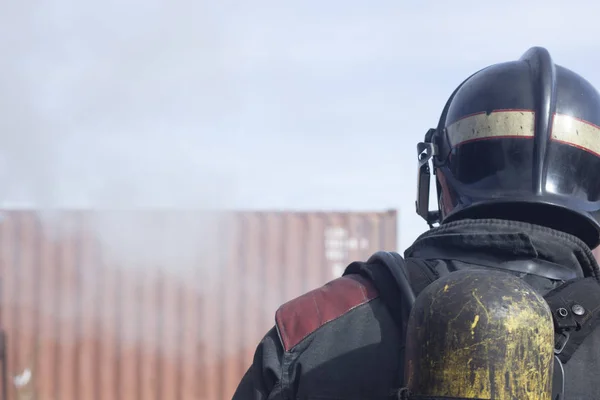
(302,316)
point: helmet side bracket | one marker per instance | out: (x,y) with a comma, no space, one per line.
(425,152)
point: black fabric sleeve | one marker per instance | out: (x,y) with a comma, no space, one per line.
(263,381)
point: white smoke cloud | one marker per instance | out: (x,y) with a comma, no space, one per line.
(115,107)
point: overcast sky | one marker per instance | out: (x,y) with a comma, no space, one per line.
(249,104)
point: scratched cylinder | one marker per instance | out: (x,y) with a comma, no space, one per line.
(480,334)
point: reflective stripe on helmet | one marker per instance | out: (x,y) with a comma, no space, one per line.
(521,124)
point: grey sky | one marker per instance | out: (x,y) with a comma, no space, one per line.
(249,104)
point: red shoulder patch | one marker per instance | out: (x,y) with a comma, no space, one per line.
(302,316)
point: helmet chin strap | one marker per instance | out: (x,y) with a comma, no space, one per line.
(425,151)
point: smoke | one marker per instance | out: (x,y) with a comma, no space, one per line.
(115,106)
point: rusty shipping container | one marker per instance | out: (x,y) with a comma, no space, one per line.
(159,304)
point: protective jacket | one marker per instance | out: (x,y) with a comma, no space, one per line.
(345,340)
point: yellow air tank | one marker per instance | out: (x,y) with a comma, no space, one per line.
(480,334)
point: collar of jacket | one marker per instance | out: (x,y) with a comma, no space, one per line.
(513,245)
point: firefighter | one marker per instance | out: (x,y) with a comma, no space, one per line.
(516,160)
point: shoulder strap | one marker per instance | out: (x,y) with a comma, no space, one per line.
(398,281)
(575,307)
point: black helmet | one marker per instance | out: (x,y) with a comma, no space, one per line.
(518,140)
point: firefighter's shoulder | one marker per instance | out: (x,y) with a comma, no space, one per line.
(300,317)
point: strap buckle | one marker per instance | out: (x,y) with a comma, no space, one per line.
(561,341)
